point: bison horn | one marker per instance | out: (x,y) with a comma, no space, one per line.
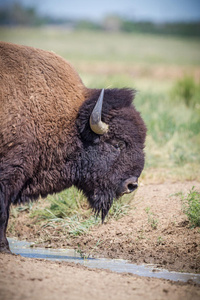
(96,124)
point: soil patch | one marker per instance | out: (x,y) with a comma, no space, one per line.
(25,278)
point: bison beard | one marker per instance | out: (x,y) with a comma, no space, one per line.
(49,140)
(101,203)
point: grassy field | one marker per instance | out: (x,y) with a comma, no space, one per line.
(164,70)
(97,46)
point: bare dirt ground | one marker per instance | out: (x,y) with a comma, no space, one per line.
(155,231)
(22,278)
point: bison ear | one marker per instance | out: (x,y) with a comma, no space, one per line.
(116,99)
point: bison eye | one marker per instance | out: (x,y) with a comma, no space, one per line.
(119,145)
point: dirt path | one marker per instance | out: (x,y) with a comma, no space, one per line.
(33,279)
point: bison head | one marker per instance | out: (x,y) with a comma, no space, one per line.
(111,156)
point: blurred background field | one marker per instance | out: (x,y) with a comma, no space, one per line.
(162,65)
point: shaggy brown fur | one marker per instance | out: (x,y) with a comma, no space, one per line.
(46,144)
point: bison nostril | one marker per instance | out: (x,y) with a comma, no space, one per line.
(132,186)
(128,186)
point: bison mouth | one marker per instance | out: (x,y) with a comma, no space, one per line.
(101,199)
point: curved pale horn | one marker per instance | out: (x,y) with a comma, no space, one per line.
(96,124)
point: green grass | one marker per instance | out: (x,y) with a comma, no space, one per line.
(67,209)
(187,90)
(70,210)
(191,206)
(173,131)
(152,221)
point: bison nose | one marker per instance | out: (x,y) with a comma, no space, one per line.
(130,184)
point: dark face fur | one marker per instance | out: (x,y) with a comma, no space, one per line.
(109,163)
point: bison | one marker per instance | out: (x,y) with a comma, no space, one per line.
(55,133)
